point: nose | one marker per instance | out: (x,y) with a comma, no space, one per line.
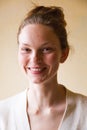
(36,57)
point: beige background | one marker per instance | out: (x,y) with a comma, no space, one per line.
(73,73)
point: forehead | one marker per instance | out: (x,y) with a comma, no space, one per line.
(37,33)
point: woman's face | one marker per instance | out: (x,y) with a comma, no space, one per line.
(39,53)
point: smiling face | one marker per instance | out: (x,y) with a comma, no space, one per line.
(39,53)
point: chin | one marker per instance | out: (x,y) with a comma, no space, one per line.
(37,80)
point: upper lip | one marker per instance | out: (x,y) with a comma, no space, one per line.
(36,67)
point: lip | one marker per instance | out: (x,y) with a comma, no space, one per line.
(36,70)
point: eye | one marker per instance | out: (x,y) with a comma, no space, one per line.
(25,50)
(47,50)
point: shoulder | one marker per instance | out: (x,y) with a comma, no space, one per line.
(8,104)
(13,99)
(77,103)
(77,97)
(11,110)
(76,111)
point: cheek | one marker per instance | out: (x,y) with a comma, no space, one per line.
(22,60)
(52,59)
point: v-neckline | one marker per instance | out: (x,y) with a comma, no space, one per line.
(65,111)
(64,114)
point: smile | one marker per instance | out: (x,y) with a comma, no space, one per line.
(36,70)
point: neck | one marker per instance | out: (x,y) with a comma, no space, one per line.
(44,95)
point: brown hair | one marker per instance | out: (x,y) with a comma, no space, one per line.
(50,16)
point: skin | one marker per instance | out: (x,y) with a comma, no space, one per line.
(39,56)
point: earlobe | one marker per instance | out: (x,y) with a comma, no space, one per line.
(64,55)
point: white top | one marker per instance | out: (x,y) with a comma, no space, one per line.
(13,114)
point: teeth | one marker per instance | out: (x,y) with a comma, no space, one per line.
(36,69)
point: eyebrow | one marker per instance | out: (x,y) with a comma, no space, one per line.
(44,44)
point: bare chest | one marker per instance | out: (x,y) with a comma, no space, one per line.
(45,121)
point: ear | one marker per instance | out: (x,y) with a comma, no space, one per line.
(64,55)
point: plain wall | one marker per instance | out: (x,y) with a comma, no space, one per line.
(73,73)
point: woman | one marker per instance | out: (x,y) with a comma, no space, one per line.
(46,105)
